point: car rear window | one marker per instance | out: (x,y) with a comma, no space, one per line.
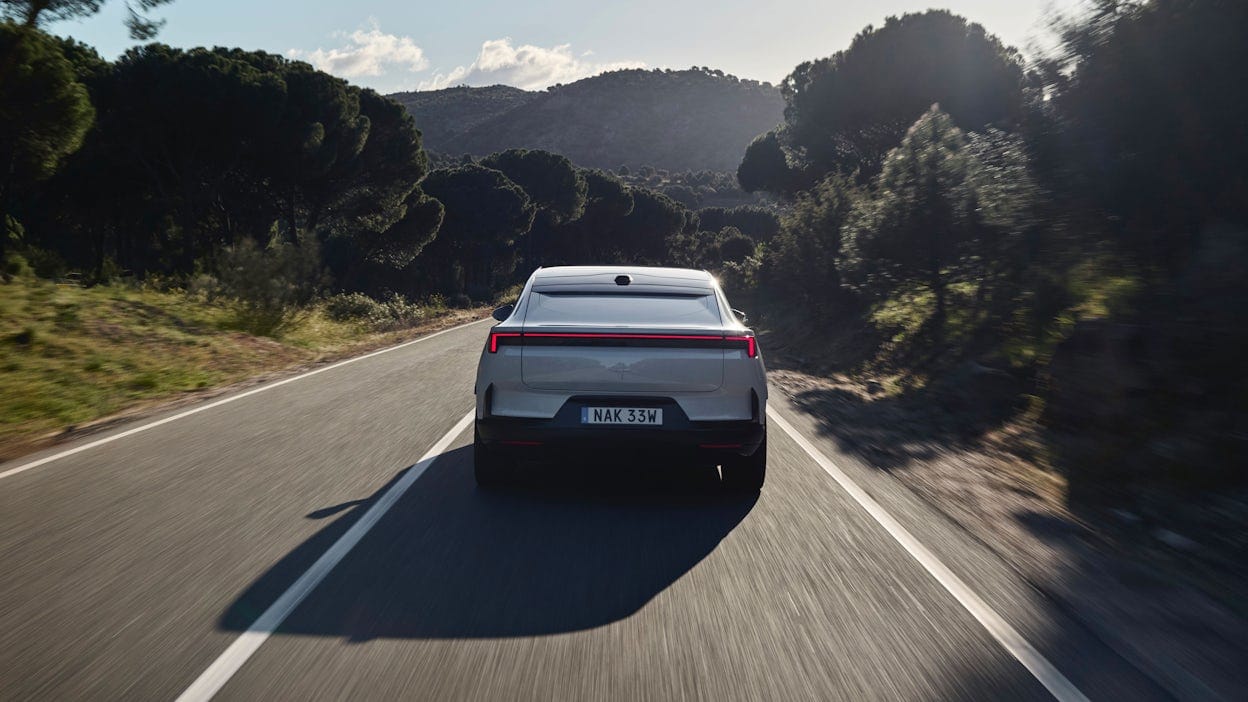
(621,309)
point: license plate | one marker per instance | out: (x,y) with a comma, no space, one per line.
(646,416)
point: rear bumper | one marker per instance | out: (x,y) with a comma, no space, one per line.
(565,434)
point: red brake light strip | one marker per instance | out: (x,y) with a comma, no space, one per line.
(751,348)
(495,336)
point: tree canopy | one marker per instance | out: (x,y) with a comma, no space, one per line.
(486,215)
(808,247)
(758,223)
(923,212)
(35,13)
(588,238)
(1153,119)
(550,180)
(844,112)
(642,236)
(44,113)
(205,146)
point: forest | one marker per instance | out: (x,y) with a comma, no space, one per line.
(272,181)
(930,198)
(1061,238)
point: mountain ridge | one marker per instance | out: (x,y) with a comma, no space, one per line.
(443,114)
(695,119)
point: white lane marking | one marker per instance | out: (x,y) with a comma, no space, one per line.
(229,662)
(196,410)
(1009,638)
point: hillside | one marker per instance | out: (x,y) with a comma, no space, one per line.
(697,119)
(443,115)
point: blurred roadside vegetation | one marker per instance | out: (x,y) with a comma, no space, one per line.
(1059,244)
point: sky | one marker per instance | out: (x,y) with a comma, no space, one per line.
(398,45)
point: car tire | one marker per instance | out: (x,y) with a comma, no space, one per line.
(490,468)
(746,474)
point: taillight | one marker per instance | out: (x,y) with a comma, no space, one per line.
(498,338)
(495,338)
(750,349)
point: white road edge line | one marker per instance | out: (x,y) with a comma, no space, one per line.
(232,659)
(202,408)
(1006,635)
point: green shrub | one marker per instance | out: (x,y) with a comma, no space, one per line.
(269,284)
(14,265)
(401,313)
(395,312)
(46,264)
(346,307)
(507,296)
(24,260)
(204,286)
(735,247)
(740,278)
(108,272)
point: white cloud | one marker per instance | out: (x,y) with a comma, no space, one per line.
(367,53)
(525,66)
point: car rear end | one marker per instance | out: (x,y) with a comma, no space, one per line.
(609,363)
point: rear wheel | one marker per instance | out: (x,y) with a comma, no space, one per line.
(746,474)
(490,468)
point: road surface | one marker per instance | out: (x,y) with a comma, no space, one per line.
(290,543)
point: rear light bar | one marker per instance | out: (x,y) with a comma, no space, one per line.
(750,349)
(497,338)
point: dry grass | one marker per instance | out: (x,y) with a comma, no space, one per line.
(71,355)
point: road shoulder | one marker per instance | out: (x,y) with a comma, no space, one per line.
(1181,639)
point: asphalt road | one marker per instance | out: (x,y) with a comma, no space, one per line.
(131,567)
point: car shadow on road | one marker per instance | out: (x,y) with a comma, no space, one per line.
(571,551)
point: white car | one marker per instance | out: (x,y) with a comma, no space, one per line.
(617,361)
